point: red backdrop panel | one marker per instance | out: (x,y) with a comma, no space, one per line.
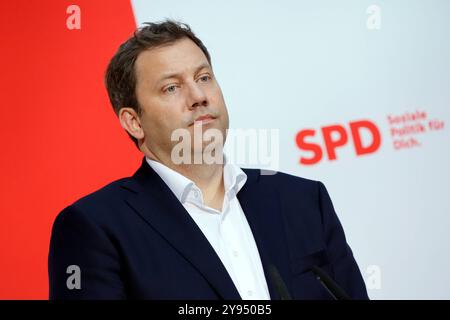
(60,137)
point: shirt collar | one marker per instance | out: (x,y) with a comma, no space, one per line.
(234,178)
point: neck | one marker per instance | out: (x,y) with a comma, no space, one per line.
(207,177)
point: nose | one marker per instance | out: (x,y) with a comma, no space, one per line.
(197,97)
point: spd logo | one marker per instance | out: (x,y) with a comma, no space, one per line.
(337,136)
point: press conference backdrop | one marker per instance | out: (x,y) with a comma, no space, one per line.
(352,93)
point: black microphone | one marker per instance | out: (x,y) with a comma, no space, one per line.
(332,287)
(279,284)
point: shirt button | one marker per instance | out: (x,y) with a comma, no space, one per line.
(235,253)
(249,293)
(196,194)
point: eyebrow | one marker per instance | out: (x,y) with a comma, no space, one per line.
(176,75)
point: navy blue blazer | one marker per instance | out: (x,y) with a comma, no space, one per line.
(133,239)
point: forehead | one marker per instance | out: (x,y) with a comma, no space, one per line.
(179,57)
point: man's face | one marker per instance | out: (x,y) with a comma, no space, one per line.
(176,85)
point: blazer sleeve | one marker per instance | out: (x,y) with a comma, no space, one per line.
(345,268)
(80,248)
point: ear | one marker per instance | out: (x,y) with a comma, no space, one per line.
(129,120)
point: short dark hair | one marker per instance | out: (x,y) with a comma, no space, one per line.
(120,77)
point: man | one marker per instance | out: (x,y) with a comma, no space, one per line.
(192,230)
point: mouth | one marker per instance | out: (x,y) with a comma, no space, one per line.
(204,119)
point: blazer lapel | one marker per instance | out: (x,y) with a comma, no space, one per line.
(158,206)
(261,205)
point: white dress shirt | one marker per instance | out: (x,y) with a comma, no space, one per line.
(227,230)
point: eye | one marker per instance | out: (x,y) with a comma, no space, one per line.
(205,78)
(170,89)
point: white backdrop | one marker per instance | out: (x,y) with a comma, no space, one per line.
(294,65)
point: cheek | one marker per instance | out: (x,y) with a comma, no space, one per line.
(216,99)
(226,121)
(221,104)
(161,114)
(217,92)
(173,120)
(154,121)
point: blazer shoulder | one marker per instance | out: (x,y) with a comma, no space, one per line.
(281,179)
(105,200)
(110,192)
